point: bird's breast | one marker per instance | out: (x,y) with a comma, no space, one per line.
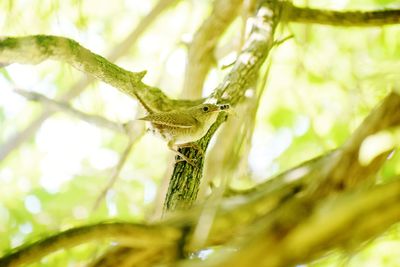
(177,134)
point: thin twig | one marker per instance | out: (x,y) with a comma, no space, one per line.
(94,119)
(281,41)
(65,107)
(116,172)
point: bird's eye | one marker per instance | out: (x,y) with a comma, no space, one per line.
(205,109)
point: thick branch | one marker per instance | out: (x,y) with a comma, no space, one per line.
(340,18)
(37,48)
(129,257)
(347,171)
(334,172)
(303,229)
(185,180)
(133,235)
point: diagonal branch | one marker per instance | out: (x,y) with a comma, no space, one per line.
(303,229)
(133,235)
(116,172)
(347,171)
(315,179)
(37,48)
(273,219)
(118,51)
(65,107)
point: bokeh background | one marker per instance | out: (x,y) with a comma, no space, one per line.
(322,83)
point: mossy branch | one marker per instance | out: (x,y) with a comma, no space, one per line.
(132,235)
(37,48)
(340,18)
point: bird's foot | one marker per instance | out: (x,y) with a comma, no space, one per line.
(192,145)
(180,157)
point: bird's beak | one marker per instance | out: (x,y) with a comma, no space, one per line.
(224,107)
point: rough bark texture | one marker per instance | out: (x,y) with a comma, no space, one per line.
(242,77)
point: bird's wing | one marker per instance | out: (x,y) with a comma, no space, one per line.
(172,119)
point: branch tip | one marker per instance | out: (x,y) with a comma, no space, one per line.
(141,74)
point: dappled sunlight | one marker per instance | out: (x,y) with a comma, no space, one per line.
(58,140)
(110,202)
(33,204)
(265,150)
(375,145)
(292,117)
(11,103)
(296,174)
(4,217)
(103,159)
(80,212)
(176,63)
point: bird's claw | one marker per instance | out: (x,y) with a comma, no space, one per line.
(192,162)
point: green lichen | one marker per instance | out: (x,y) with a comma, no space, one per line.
(73,46)
(8,43)
(45,43)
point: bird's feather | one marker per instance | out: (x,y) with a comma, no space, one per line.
(171,119)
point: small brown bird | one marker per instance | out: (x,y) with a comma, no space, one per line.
(180,128)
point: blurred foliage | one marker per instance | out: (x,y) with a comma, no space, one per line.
(323,82)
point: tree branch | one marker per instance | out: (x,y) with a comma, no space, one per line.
(128,257)
(340,18)
(118,51)
(315,179)
(116,172)
(185,180)
(65,107)
(37,48)
(303,229)
(347,171)
(280,214)
(133,235)
(201,50)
